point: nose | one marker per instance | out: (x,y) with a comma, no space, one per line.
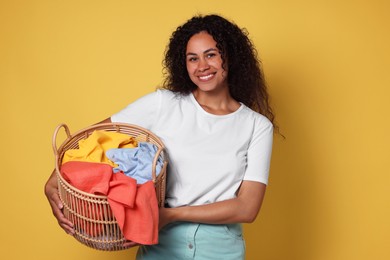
(203,65)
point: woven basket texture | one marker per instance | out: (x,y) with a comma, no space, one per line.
(94,223)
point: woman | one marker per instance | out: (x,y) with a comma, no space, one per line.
(214,118)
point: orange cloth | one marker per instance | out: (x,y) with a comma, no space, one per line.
(139,222)
(94,147)
(134,206)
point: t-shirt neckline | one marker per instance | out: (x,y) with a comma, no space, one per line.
(201,109)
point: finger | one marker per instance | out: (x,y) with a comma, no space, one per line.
(64,223)
(57,208)
(67,228)
(130,244)
(55,199)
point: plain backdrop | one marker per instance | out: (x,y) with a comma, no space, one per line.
(327,67)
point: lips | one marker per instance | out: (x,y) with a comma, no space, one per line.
(206,77)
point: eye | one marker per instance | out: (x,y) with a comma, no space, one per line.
(192,59)
(211,55)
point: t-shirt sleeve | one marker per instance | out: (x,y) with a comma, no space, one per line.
(259,152)
(142,112)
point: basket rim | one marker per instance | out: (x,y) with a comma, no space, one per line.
(114,125)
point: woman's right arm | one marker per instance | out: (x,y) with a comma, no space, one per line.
(51,192)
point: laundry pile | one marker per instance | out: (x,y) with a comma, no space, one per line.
(117,166)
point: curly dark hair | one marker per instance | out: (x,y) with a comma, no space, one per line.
(245,77)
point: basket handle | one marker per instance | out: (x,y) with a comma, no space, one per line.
(54,140)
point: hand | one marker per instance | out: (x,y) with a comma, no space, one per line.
(51,192)
(129,244)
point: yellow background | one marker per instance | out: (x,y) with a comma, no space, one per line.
(327,66)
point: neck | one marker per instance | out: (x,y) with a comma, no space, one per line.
(220,103)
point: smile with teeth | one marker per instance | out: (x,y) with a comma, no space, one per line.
(206,77)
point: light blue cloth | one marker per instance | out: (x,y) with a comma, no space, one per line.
(136,162)
(194,241)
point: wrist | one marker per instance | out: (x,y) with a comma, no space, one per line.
(177,214)
(172,216)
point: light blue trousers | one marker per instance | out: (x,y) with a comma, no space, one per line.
(183,240)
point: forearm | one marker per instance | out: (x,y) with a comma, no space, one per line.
(51,184)
(223,212)
(242,209)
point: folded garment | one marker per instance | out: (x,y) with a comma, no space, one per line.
(134,206)
(93,148)
(136,162)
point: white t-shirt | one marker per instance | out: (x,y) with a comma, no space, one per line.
(209,155)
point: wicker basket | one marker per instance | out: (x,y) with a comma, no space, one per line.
(94,223)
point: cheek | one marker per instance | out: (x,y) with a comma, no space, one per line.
(220,64)
(216,64)
(190,68)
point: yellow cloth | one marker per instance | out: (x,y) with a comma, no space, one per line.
(94,147)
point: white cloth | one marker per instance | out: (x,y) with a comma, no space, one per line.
(209,155)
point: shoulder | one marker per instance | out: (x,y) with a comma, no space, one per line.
(260,121)
(170,96)
(156,97)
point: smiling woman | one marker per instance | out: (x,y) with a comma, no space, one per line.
(213,116)
(240,63)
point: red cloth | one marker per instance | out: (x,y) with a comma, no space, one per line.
(134,206)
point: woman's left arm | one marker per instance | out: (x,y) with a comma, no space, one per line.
(242,209)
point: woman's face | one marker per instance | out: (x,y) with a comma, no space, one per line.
(204,63)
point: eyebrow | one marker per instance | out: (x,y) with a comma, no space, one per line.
(206,51)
